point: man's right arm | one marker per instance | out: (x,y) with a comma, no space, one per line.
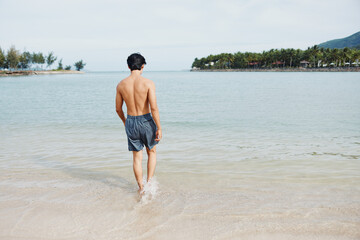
(155,110)
(119,101)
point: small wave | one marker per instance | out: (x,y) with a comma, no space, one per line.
(149,191)
(336,154)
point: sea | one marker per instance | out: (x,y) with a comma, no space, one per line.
(244,155)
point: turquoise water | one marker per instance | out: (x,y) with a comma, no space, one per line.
(248,150)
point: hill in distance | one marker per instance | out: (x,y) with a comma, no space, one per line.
(352,41)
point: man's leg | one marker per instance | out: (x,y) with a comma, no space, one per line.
(151,164)
(137,159)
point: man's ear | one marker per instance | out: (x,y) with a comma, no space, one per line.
(142,67)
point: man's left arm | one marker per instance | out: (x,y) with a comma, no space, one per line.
(119,103)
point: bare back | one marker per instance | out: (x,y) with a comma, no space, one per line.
(135,92)
(138,93)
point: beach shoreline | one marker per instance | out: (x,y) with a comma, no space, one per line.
(337,69)
(25,73)
(283,163)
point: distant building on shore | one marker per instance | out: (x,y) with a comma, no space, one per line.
(278,63)
(304,64)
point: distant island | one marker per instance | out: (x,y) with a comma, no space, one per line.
(352,41)
(13,63)
(335,55)
(42,72)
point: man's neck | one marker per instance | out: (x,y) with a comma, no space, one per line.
(135,73)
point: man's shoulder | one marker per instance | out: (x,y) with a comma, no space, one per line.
(148,81)
(122,82)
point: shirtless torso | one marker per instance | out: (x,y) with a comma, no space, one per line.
(137,93)
(139,96)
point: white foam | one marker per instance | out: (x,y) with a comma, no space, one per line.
(149,191)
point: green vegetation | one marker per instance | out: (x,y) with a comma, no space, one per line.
(2,58)
(37,58)
(12,57)
(79,65)
(60,65)
(25,60)
(50,59)
(314,57)
(343,52)
(352,41)
(14,60)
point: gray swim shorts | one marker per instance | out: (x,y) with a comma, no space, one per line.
(140,130)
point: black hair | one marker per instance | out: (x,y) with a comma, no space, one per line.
(135,61)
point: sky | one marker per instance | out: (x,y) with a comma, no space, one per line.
(169,34)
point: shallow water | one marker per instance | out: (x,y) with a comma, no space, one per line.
(244,155)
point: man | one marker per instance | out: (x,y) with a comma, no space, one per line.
(142,128)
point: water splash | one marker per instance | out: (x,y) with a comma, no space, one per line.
(149,191)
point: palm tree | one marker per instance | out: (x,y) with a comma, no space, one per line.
(239,60)
(334,56)
(326,53)
(345,54)
(355,55)
(291,56)
(314,54)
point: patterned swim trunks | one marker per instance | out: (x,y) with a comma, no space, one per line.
(140,130)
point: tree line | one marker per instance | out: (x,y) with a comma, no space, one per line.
(313,57)
(13,59)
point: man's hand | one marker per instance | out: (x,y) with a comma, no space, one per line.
(158,135)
